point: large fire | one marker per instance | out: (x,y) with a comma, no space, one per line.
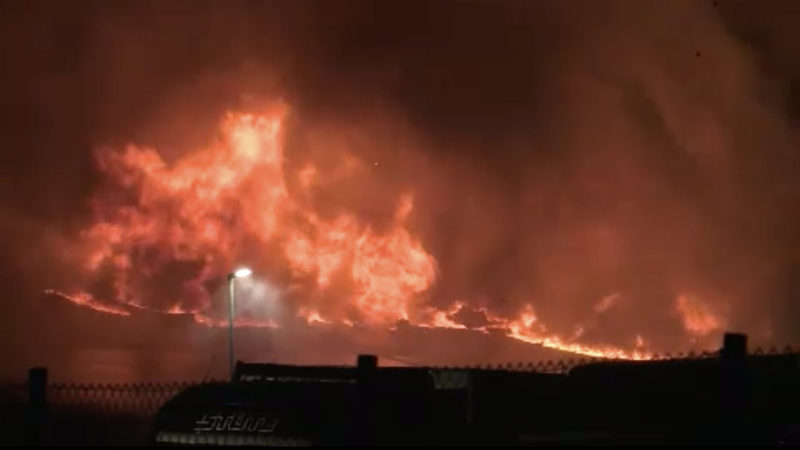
(173,230)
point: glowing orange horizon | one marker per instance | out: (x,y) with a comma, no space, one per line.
(211,206)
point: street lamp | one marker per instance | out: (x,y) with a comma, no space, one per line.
(239,273)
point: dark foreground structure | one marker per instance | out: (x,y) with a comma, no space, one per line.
(728,398)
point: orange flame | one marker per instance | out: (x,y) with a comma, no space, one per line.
(527,328)
(87,300)
(698,319)
(237,322)
(312,317)
(443,318)
(204,211)
(606,303)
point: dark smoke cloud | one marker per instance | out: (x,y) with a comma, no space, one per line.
(560,151)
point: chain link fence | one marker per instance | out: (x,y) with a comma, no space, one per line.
(85,413)
(120,413)
(141,399)
(563,366)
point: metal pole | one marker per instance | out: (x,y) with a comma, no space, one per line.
(230,324)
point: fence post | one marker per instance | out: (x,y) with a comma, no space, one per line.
(366,366)
(734,347)
(37,405)
(366,362)
(734,386)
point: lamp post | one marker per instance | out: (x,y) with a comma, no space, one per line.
(239,273)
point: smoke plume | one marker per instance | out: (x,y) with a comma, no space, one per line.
(613,174)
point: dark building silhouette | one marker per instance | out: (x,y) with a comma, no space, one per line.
(728,397)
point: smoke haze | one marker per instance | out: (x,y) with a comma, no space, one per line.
(626,169)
